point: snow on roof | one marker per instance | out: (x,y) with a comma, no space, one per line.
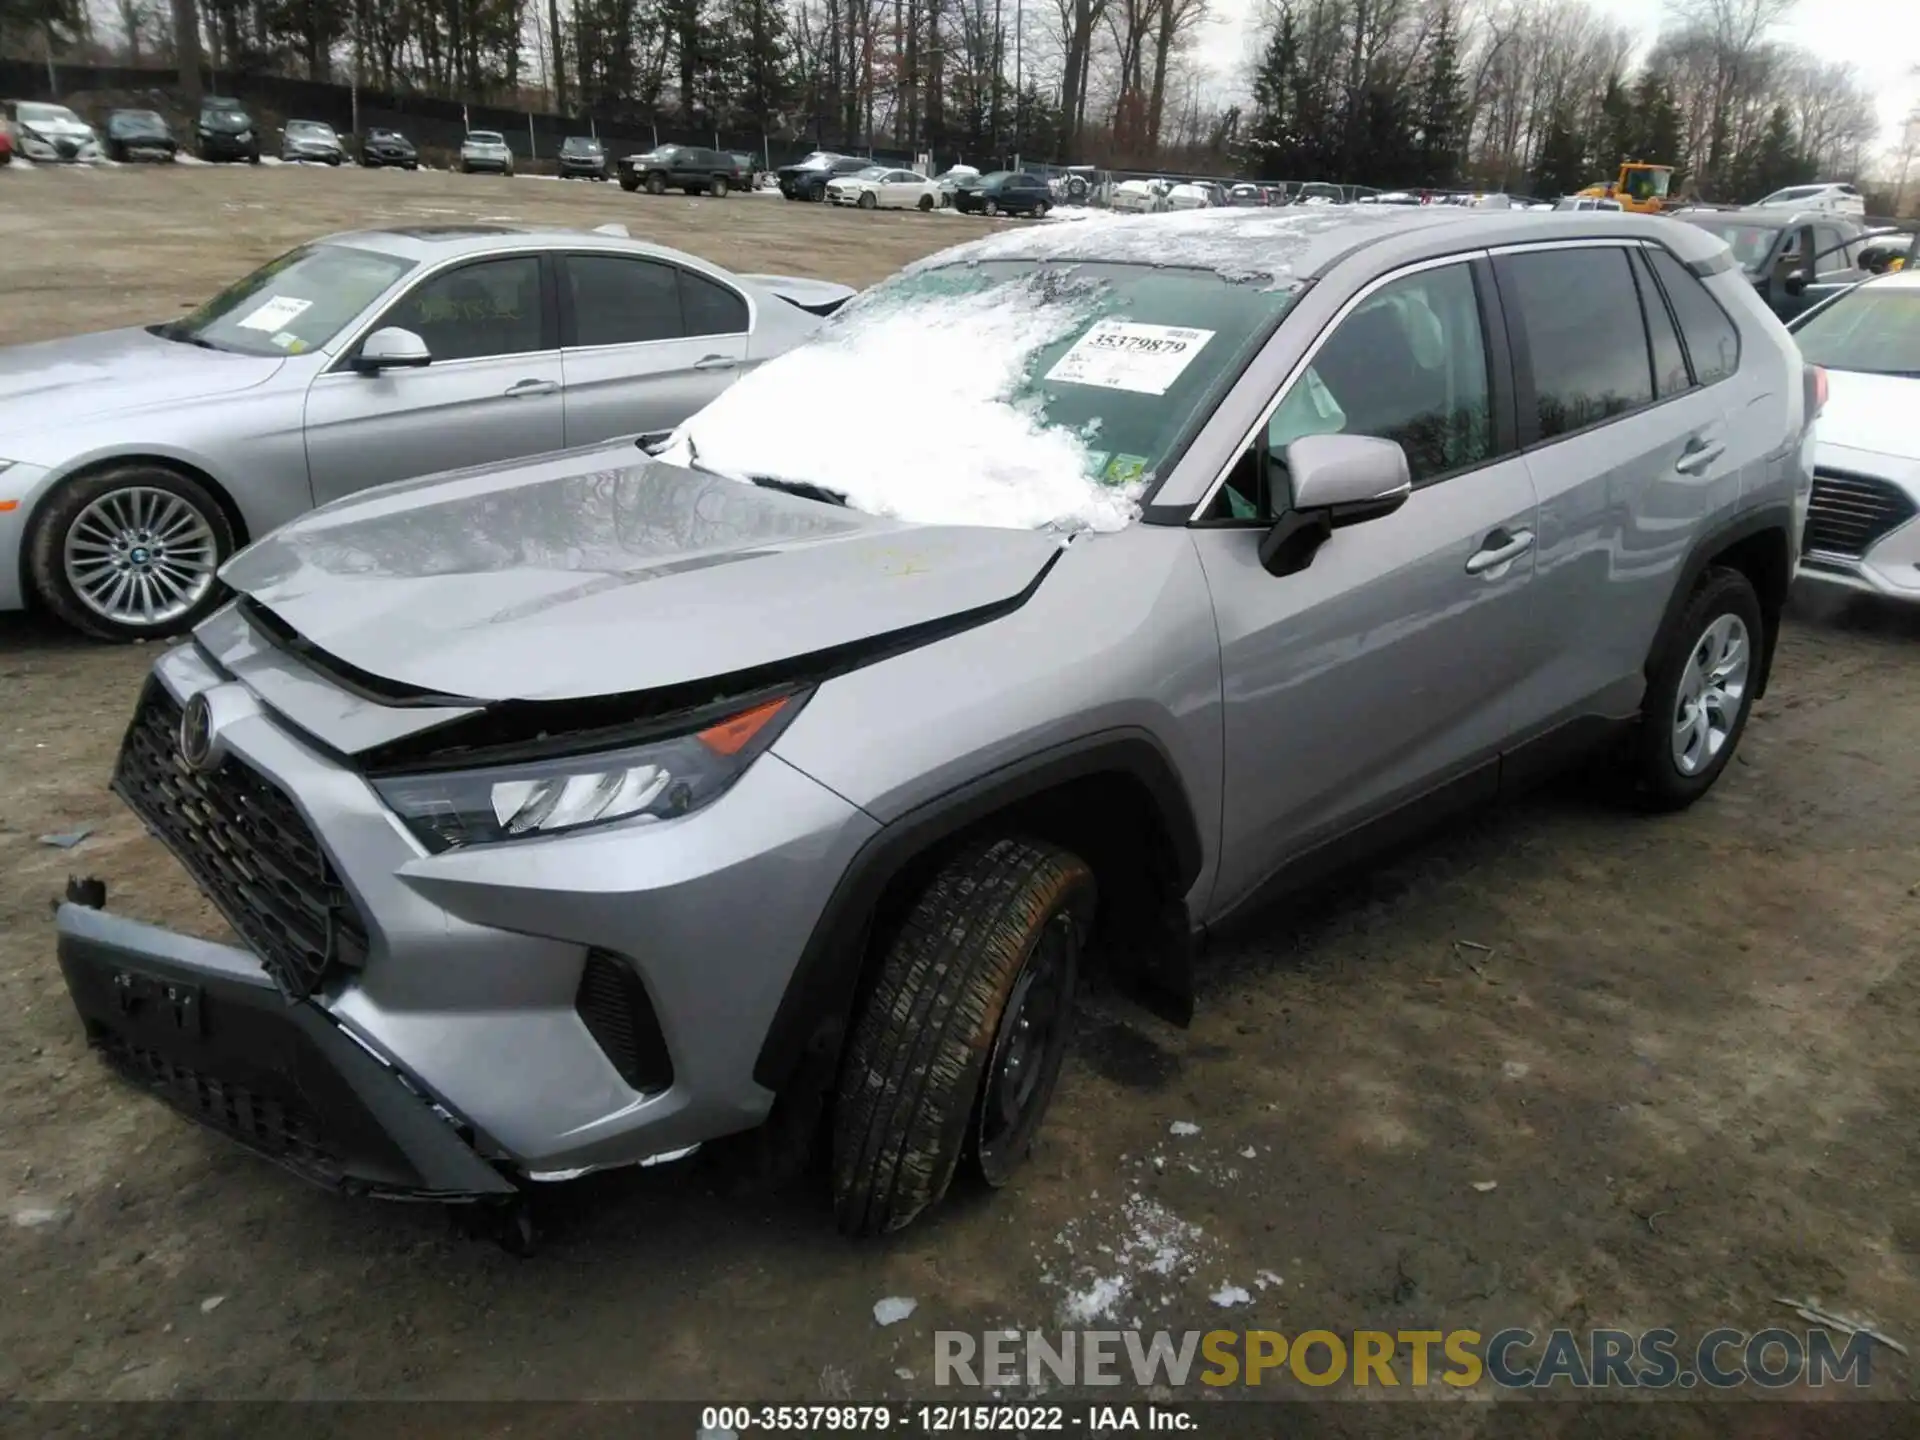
(1241,245)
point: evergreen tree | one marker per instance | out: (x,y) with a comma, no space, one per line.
(1657,127)
(1561,166)
(1275,138)
(1775,160)
(1442,105)
(754,77)
(1617,136)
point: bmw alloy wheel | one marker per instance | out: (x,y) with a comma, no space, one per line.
(1712,688)
(140,557)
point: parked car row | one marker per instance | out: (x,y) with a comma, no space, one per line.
(509,759)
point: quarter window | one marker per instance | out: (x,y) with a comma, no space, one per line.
(622,301)
(1585,338)
(711,308)
(1669,360)
(1713,344)
(491,307)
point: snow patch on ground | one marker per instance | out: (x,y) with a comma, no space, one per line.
(1123,1260)
(934,436)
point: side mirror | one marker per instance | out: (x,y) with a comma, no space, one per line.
(391,348)
(1338,480)
(1794,282)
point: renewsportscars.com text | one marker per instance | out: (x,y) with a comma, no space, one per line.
(1513,1359)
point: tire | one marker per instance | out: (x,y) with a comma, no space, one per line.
(253,157)
(466,169)
(926,204)
(999,921)
(207,530)
(1719,638)
(629,182)
(656,184)
(1040,211)
(718,189)
(818,194)
(990,208)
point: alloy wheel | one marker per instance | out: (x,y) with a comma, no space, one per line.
(1713,686)
(141,556)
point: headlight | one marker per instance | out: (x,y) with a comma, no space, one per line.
(659,779)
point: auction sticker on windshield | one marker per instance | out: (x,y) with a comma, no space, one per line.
(1127,355)
(275,314)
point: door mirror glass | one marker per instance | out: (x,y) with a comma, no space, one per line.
(1794,282)
(1338,480)
(392,348)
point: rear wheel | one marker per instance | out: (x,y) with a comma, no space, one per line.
(1700,694)
(926,204)
(130,553)
(955,1053)
(718,190)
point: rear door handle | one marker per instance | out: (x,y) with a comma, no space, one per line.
(531,387)
(1497,549)
(1698,455)
(715,362)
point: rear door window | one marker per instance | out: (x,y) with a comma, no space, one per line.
(710,308)
(1713,343)
(1587,348)
(619,300)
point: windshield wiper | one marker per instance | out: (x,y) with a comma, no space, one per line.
(805,489)
(173,332)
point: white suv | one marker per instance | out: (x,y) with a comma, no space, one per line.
(1834,199)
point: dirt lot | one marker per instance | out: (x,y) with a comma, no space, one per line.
(1671,1078)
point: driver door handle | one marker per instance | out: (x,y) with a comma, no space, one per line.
(1698,455)
(715,362)
(1497,549)
(531,387)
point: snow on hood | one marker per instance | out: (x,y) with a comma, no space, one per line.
(910,413)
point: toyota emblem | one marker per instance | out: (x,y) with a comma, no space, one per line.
(196,733)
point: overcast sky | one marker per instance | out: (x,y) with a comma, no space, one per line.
(1879,37)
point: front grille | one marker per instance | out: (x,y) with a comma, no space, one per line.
(612,1003)
(1849,513)
(286,1133)
(248,847)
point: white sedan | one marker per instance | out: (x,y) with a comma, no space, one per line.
(879,187)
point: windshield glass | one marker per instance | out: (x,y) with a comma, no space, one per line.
(1059,390)
(1750,243)
(581,142)
(136,122)
(291,305)
(308,127)
(485,137)
(47,115)
(1648,184)
(1875,329)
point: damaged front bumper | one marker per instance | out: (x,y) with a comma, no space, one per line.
(202,1027)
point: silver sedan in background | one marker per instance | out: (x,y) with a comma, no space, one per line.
(134,462)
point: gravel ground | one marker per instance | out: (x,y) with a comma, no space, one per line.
(1566,1066)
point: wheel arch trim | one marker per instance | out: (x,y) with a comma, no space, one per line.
(821,991)
(1716,542)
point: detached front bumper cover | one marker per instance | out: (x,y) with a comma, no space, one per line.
(202,1027)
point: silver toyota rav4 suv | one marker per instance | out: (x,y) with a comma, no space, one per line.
(788,779)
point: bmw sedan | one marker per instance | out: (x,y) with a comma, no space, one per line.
(136,461)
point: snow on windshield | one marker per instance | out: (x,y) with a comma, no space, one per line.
(909,413)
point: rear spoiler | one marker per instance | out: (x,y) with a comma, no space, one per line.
(816,297)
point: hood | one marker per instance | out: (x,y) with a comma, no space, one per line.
(602,572)
(117,369)
(58,129)
(1870,412)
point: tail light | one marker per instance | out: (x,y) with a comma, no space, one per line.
(1816,382)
